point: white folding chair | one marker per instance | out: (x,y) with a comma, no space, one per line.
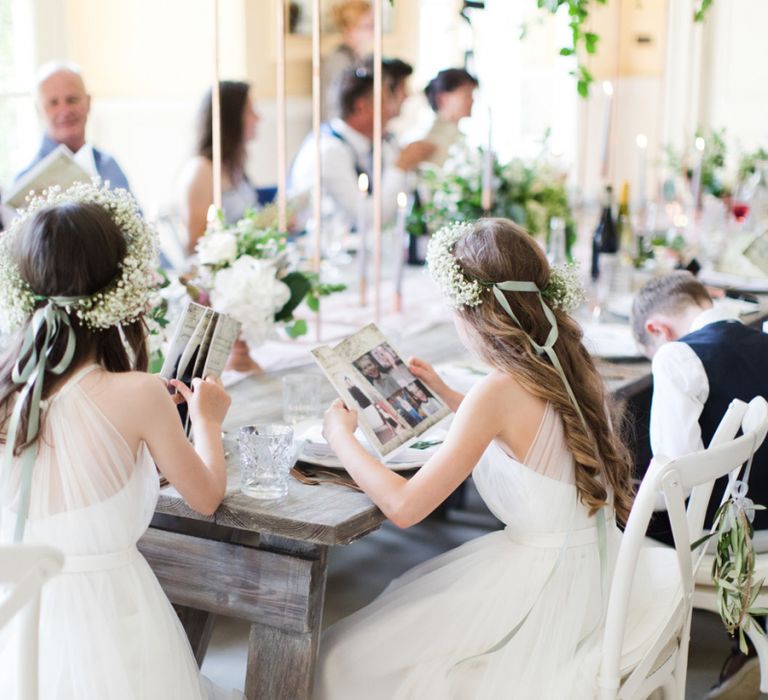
(664,665)
(23,571)
(705,597)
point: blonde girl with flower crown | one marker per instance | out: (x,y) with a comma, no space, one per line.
(515,613)
(83,427)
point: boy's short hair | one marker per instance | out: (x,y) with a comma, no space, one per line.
(670,293)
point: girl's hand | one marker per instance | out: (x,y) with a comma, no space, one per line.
(208,401)
(339,420)
(426,373)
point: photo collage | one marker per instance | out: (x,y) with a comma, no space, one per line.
(375,381)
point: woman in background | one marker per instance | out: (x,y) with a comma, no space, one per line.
(238,127)
(354,20)
(451,95)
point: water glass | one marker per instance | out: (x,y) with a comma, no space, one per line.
(301,397)
(266,457)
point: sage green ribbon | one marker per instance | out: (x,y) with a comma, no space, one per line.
(549,344)
(29,371)
(548,349)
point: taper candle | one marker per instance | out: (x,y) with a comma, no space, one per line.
(401,244)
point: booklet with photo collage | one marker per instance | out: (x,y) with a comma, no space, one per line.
(392,405)
(201,344)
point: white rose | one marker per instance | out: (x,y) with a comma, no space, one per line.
(249,292)
(219,248)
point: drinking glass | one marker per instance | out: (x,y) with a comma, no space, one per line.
(266,457)
(301,397)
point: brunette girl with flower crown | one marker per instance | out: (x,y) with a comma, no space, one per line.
(83,427)
(516,613)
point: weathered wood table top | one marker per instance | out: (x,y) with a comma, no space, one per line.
(332,514)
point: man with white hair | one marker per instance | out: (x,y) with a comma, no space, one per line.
(63,105)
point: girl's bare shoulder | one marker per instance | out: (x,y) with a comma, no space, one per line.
(503,392)
(135,387)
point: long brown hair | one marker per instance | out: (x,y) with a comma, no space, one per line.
(497,250)
(233,95)
(70,249)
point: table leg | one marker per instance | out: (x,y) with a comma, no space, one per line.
(281,664)
(198,625)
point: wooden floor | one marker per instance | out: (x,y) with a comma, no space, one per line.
(359,572)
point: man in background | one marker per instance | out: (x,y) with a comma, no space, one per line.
(346,147)
(63,105)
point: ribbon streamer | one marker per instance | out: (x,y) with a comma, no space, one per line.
(548,348)
(50,320)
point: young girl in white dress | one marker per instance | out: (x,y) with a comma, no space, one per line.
(84,426)
(516,613)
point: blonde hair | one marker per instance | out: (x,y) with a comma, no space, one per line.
(348,13)
(497,250)
(672,294)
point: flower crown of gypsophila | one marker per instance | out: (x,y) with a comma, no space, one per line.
(125,298)
(564,290)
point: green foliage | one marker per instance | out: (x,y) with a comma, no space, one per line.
(701,11)
(584,42)
(748,163)
(733,569)
(297,328)
(528,192)
(712,164)
(255,240)
(299,285)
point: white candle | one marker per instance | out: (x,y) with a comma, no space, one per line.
(607,114)
(216,111)
(486,200)
(316,96)
(378,129)
(362,235)
(401,242)
(696,182)
(642,146)
(282,158)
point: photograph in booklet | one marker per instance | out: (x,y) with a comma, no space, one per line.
(371,377)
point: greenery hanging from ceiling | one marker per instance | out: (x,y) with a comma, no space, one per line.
(578,13)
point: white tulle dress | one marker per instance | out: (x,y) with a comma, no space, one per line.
(107,630)
(541,575)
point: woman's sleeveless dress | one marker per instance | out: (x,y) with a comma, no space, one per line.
(538,583)
(107,630)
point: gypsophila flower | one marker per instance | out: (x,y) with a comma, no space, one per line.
(565,290)
(447,272)
(124,300)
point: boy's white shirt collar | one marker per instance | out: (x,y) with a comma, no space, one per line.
(712,315)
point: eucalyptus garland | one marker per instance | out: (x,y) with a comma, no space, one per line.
(733,568)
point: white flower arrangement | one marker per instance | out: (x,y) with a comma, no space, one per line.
(217,249)
(126,298)
(529,192)
(247,273)
(249,291)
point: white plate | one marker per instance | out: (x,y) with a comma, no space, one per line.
(316,451)
(322,455)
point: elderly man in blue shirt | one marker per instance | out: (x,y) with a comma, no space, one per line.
(63,104)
